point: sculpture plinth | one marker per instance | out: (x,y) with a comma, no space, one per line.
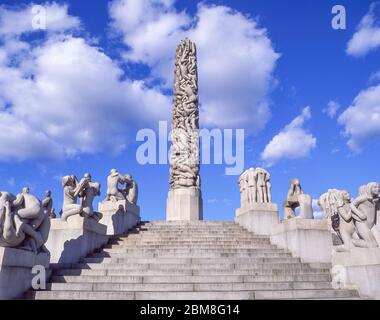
(119,216)
(310,240)
(184,204)
(185,198)
(358,268)
(16,271)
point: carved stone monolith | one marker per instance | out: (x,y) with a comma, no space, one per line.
(185,199)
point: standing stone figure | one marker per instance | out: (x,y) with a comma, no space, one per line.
(243,187)
(365,209)
(87,196)
(251,177)
(255,187)
(47,204)
(184,159)
(297,198)
(23,222)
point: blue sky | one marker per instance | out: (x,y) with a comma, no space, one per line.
(73,96)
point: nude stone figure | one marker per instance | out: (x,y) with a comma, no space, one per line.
(113,191)
(252,185)
(365,209)
(336,205)
(23,223)
(71,190)
(47,203)
(297,198)
(132,189)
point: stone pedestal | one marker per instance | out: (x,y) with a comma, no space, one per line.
(308,239)
(119,216)
(358,269)
(259,218)
(184,205)
(69,241)
(16,271)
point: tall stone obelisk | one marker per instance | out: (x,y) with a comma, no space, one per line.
(184,200)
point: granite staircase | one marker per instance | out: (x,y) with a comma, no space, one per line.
(204,260)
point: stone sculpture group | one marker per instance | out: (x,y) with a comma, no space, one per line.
(24,223)
(184,161)
(353,221)
(25,220)
(255,186)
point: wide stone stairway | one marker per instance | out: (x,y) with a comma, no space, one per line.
(191,260)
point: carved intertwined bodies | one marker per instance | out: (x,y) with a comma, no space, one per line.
(184,160)
(353,221)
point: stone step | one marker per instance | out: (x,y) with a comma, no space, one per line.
(206,295)
(187,243)
(164,287)
(211,272)
(168,260)
(126,257)
(189,279)
(190,251)
(118,261)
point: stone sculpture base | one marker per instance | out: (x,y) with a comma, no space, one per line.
(359,269)
(70,241)
(259,218)
(184,205)
(16,271)
(310,240)
(119,216)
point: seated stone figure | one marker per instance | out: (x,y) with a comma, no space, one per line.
(23,222)
(297,198)
(128,192)
(336,205)
(365,209)
(113,192)
(86,191)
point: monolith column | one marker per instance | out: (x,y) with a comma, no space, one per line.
(184,200)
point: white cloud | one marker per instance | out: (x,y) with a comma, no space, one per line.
(15,22)
(332,108)
(65,96)
(361,120)
(292,142)
(367,36)
(236,59)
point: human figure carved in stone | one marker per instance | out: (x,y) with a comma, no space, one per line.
(71,190)
(131,189)
(336,205)
(365,209)
(87,195)
(297,198)
(262,179)
(23,223)
(113,181)
(184,164)
(252,185)
(243,187)
(47,203)
(257,186)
